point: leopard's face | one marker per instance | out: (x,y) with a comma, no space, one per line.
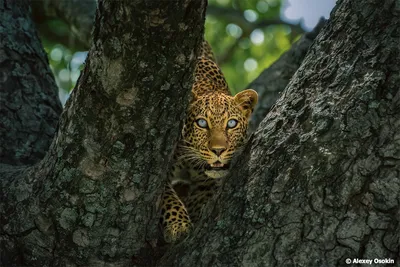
(215,128)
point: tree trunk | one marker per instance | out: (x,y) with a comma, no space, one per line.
(319,180)
(317,183)
(29,104)
(93,198)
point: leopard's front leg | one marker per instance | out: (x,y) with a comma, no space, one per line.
(174,216)
(200,194)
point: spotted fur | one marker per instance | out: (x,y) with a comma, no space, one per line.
(206,147)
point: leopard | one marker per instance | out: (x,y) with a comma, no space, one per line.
(215,127)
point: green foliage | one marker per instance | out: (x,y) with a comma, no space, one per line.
(241,33)
(246,46)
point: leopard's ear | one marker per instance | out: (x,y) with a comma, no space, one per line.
(246,100)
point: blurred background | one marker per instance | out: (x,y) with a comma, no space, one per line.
(246,36)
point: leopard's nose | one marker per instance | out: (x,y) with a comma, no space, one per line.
(218,151)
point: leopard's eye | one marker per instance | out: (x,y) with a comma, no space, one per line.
(202,123)
(232,123)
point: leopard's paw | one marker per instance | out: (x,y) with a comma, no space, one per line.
(176,231)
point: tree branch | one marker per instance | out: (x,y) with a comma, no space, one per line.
(228,53)
(78,15)
(29,104)
(271,82)
(66,38)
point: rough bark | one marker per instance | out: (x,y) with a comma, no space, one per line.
(93,199)
(319,180)
(29,104)
(271,82)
